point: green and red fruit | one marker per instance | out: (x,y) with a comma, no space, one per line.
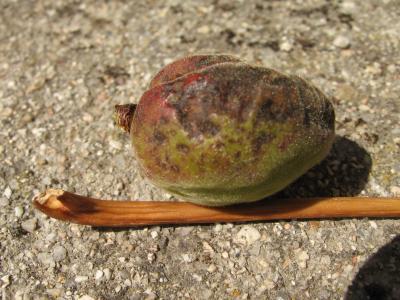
(216,131)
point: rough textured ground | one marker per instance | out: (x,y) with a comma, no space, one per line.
(64,65)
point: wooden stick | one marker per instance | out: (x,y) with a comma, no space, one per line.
(105,213)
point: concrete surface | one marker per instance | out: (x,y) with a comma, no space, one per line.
(65,64)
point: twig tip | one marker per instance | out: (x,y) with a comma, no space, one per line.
(44,197)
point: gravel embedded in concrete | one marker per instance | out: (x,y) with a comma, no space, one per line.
(64,65)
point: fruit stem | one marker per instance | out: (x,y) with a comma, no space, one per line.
(106,213)
(123,115)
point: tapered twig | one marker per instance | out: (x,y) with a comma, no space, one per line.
(88,211)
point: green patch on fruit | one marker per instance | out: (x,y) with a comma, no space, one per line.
(223,168)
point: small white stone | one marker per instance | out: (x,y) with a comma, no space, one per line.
(115,144)
(325,260)
(80,278)
(87,117)
(247,235)
(6,112)
(98,275)
(348,7)
(127,282)
(373,224)
(217,227)
(29,225)
(225,254)
(59,253)
(203,29)
(86,297)
(374,69)
(207,248)
(342,42)
(151,257)
(46,259)
(7,192)
(187,258)
(390,68)
(184,231)
(18,211)
(286,46)
(150,295)
(211,268)
(6,280)
(364,107)
(55,293)
(154,234)
(107,273)
(269,284)
(302,257)
(395,190)
(197,277)
(4,201)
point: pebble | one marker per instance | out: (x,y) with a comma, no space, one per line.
(6,279)
(184,231)
(80,278)
(107,273)
(54,293)
(286,46)
(4,201)
(197,277)
(269,284)
(203,29)
(59,253)
(151,257)
(87,117)
(207,294)
(207,248)
(29,225)
(342,42)
(7,192)
(218,227)
(302,257)
(46,259)
(99,274)
(150,295)
(348,7)
(18,211)
(86,297)
(346,92)
(373,224)
(395,190)
(211,268)
(247,235)
(325,260)
(6,112)
(187,258)
(115,144)
(154,234)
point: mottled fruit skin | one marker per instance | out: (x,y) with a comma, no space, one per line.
(216,131)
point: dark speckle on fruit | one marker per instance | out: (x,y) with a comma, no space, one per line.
(183,148)
(261,139)
(159,137)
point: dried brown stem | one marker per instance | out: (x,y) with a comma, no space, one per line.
(105,213)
